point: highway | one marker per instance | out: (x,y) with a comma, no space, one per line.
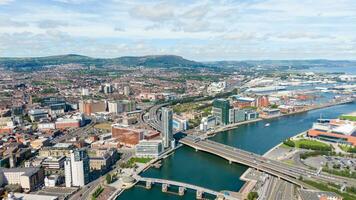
(154,120)
(275,168)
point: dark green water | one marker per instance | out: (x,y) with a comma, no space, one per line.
(212,172)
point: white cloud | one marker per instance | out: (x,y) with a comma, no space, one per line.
(4,2)
(157,13)
(207,29)
(72,1)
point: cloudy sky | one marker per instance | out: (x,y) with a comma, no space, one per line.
(200,30)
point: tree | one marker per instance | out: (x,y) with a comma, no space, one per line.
(274,106)
(252,196)
(108,178)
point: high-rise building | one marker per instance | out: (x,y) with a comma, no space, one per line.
(68,172)
(167,132)
(121,106)
(126,90)
(85,92)
(220,110)
(108,88)
(90,106)
(77,168)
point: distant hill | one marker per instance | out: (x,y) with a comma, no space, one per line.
(163,61)
(296,64)
(33,63)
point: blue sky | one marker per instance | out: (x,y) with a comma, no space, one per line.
(200,30)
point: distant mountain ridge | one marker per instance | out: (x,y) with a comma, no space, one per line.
(292,63)
(160,61)
(166,61)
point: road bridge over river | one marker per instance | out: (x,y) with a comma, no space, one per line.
(281,170)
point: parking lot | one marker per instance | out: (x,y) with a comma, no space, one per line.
(332,162)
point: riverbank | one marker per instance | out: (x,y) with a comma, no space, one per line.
(235,125)
(312,108)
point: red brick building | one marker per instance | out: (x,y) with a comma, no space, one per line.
(126,136)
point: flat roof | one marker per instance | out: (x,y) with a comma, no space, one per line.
(28,171)
(23,196)
(63,145)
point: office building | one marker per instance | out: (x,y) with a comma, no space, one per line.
(121,106)
(85,92)
(167,132)
(240,116)
(207,123)
(53,163)
(126,136)
(90,106)
(57,109)
(48,101)
(68,173)
(127,90)
(179,123)
(28,178)
(37,114)
(220,110)
(149,148)
(251,115)
(77,169)
(108,88)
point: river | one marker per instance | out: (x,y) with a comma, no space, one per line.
(212,172)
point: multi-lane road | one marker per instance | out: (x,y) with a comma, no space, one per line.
(153,118)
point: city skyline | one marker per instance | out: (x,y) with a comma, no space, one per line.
(198,30)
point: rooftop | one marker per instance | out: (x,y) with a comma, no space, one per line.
(63,145)
(22,196)
(28,171)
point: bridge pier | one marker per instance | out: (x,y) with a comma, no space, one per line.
(165,187)
(181,191)
(148,184)
(199,194)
